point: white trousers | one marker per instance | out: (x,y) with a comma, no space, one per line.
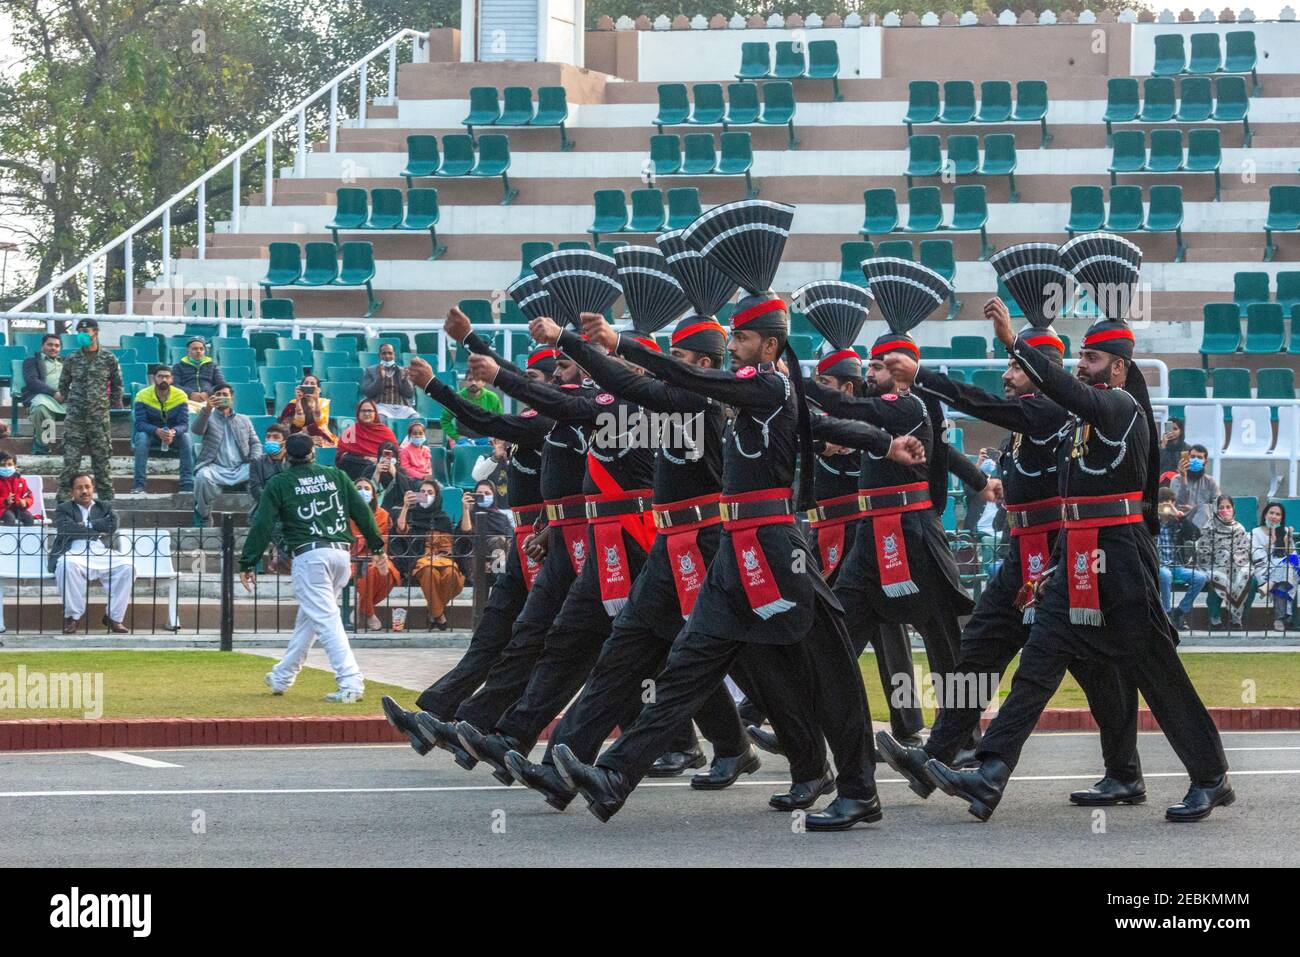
(396,411)
(319,577)
(74,572)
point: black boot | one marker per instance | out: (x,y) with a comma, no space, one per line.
(672,763)
(766,740)
(723,772)
(404,721)
(842,813)
(604,790)
(442,734)
(1109,792)
(750,713)
(1201,800)
(489,748)
(907,761)
(542,778)
(979,787)
(803,794)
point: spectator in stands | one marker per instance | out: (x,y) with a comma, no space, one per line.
(372,585)
(1172,446)
(422,550)
(309,412)
(388,386)
(230,447)
(359,442)
(389,479)
(16,498)
(1274,562)
(480,515)
(162,421)
(197,375)
(415,459)
(476,392)
(1195,489)
(272,461)
(91,385)
(83,551)
(41,395)
(1175,545)
(1223,553)
(495,468)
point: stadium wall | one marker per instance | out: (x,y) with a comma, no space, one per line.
(1276,42)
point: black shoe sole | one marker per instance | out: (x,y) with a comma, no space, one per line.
(1108,802)
(499,771)
(825,789)
(557,801)
(922,789)
(975,806)
(748,768)
(697,762)
(762,744)
(1225,801)
(871,818)
(396,716)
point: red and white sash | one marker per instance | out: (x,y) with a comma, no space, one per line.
(1081,554)
(886,527)
(756,576)
(681,542)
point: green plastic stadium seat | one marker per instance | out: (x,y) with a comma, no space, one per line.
(963,155)
(958,102)
(647,211)
(422,213)
(250,399)
(1087,209)
(422,157)
(1206,57)
(1275,384)
(1171,58)
(231,356)
(852,254)
(923,156)
(1231,383)
(1283,215)
(275,309)
(529,251)
(146,347)
(755,61)
(709,105)
(238,307)
(1288,291)
(824,64)
(1265,328)
(494,160)
(736,158)
(1165,215)
(286,358)
(1249,288)
(1204,155)
(457,155)
(778,107)
(895,249)
(699,157)
(1000,160)
(1128,153)
(666,154)
(1166,155)
(611,214)
(350,211)
(1158,100)
(1013,309)
(1187,384)
(922,103)
(789,63)
(1126,212)
(674,106)
(1220,331)
(343,397)
(479,311)
(742,105)
(386,210)
(1239,56)
(990,380)
(320,265)
(1195,100)
(1031,106)
(995,102)
(204,308)
(938,255)
(1231,103)
(516,106)
(683,207)
(484,110)
(1121,101)
(357,268)
(881,207)
(970,347)
(553,110)
(924,210)
(970,211)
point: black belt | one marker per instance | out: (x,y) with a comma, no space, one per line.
(619,506)
(871,503)
(565,512)
(687,516)
(739,511)
(1077,512)
(312,546)
(830,512)
(1036,516)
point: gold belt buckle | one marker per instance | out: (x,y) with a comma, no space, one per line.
(551,515)
(725,508)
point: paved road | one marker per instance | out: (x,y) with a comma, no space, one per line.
(384,805)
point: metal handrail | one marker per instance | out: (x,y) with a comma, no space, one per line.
(299,111)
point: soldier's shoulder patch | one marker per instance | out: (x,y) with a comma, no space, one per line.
(747,373)
(604,398)
(890,397)
(527,413)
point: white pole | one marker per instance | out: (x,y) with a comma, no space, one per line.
(362,74)
(128,263)
(167,243)
(392,74)
(300,159)
(334,117)
(234,196)
(270,168)
(90,286)
(202,200)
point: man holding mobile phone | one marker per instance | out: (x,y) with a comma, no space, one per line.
(230,446)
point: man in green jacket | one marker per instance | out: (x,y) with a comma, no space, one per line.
(313,504)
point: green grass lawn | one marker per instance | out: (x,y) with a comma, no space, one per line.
(186,684)
(1224,680)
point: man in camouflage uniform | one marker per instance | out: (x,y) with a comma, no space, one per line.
(92,383)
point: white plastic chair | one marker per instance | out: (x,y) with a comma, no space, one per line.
(22,558)
(1252,433)
(150,552)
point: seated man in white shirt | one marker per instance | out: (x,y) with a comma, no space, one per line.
(82,552)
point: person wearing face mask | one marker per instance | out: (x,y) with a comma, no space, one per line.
(1274,562)
(1195,489)
(388,386)
(230,447)
(1223,553)
(196,374)
(422,550)
(414,455)
(390,480)
(359,442)
(269,464)
(372,583)
(480,514)
(15,497)
(1174,544)
(91,384)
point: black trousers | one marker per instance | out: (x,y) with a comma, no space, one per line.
(505,601)
(570,647)
(1153,669)
(992,637)
(698,663)
(507,679)
(893,651)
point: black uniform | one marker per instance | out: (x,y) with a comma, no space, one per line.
(1028,462)
(1105,453)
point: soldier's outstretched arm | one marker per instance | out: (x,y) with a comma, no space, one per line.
(747,388)
(646,391)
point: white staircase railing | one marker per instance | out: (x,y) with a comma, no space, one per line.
(198,188)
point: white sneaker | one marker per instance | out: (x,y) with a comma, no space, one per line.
(344,697)
(270,683)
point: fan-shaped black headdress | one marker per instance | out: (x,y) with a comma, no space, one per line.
(905,293)
(579,280)
(838,310)
(654,296)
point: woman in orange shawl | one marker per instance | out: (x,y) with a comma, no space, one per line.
(359,443)
(373,586)
(421,549)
